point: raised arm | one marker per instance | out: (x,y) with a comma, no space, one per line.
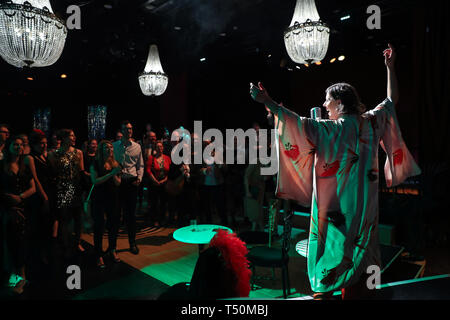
(392,83)
(259,94)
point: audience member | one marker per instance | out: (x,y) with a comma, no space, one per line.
(42,219)
(26,144)
(4,135)
(212,192)
(129,154)
(254,195)
(16,186)
(119,136)
(68,166)
(106,177)
(222,272)
(157,169)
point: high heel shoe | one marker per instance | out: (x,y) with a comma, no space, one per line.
(80,248)
(114,256)
(100,263)
(18,289)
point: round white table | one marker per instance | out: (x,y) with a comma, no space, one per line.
(200,234)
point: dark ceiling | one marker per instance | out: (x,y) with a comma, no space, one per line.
(115,35)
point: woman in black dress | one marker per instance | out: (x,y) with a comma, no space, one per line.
(16,185)
(105,175)
(43,223)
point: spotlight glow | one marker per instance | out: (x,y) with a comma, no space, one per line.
(345,17)
(318,63)
(63,76)
(341,58)
(202,59)
(332,60)
(30,78)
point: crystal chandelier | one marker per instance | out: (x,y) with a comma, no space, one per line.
(307,37)
(153,80)
(30,33)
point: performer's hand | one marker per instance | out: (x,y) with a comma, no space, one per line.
(259,93)
(389,56)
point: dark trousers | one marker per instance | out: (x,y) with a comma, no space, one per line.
(158,203)
(128,199)
(109,206)
(213,197)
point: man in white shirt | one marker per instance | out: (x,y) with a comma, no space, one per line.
(129,154)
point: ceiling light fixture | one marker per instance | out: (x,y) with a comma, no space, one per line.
(307,37)
(30,33)
(153,81)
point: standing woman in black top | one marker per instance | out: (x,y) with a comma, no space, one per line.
(67,166)
(42,222)
(105,175)
(16,185)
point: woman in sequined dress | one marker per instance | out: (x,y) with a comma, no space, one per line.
(67,165)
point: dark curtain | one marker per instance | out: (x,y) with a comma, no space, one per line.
(432,85)
(432,95)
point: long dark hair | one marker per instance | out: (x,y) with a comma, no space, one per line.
(8,155)
(63,134)
(100,158)
(349,98)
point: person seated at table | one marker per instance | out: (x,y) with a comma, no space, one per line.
(222,271)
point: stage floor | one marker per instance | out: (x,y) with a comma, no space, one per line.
(163,262)
(171,262)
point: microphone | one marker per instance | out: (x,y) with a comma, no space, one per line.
(316,113)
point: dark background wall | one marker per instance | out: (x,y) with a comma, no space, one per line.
(216,91)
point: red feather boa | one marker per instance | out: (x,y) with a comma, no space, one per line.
(234,253)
